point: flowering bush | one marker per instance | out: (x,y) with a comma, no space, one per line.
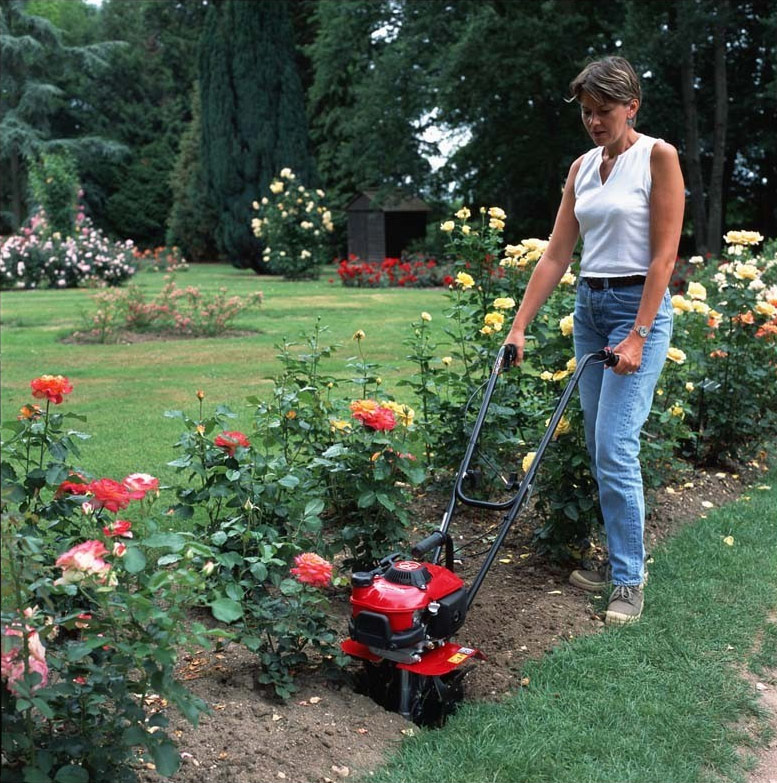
(293,224)
(413,271)
(186,312)
(94,609)
(38,256)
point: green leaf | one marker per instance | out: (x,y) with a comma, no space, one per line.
(173,541)
(35,775)
(232,475)
(43,707)
(166,757)
(71,774)
(226,610)
(134,560)
(218,538)
(386,501)
(168,559)
(314,507)
(134,735)
(366,499)
(259,571)
(289,482)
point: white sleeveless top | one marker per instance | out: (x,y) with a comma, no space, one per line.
(614,217)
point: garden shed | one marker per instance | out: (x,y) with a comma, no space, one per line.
(381,228)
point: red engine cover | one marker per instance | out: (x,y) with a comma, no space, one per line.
(398,601)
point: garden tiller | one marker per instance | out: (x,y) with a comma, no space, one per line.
(405,611)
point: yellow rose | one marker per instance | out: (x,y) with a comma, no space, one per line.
(465,229)
(496,224)
(766,308)
(746,271)
(572,364)
(568,279)
(700,307)
(447,360)
(689,387)
(404,414)
(425,316)
(566,325)
(463,213)
(494,320)
(287,173)
(276,186)
(496,212)
(559,375)
(681,304)
(527,461)
(504,303)
(676,355)
(255,205)
(464,280)
(339,425)
(562,428)
(486,330)
(677,410)
(742,238)
(358,335)
(546,375)
(447,226)
(696,291)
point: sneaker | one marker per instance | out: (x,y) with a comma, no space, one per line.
(595,581)
(625,605)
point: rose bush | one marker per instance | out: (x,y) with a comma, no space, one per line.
(293,224)
(94,609)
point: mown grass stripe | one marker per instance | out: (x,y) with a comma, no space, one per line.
(653,702)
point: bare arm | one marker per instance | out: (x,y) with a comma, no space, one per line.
(551,267)
(667,203)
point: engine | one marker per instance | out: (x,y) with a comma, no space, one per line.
(406,609)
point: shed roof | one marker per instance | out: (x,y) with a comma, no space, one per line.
(396,202)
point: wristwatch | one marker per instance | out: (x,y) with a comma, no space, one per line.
(642,331)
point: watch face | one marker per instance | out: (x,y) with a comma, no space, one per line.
(642,331)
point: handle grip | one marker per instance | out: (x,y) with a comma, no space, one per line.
(428,544)
(610,357)
(509,355)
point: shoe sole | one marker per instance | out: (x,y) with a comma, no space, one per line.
(578,580)
(617,618)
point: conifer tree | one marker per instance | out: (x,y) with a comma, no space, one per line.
(253,115)
(192,219)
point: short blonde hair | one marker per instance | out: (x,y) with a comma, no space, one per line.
(608,79)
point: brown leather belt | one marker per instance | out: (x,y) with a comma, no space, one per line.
(600,283)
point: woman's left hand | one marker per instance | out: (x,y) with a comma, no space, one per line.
(629,353)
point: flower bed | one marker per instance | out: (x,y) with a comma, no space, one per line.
(37,257)
(413,271)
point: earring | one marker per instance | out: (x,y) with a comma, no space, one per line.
(630,122)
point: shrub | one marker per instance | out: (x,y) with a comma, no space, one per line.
(38,256)
(161,259)
(412,271)
(174,311)
(55,189)
(293,224)
(94,609)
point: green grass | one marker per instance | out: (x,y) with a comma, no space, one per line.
(125,389)
(657,701)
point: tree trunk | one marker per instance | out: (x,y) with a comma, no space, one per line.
(715,214)
(692,155)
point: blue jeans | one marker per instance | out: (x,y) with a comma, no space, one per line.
(614,409)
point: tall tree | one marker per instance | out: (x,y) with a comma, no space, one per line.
(253,115)
(34,63)
(192,221)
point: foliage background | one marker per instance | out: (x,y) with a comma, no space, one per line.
(379,83)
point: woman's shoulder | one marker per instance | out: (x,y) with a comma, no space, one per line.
(663,155)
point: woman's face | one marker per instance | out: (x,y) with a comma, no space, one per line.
(606,122)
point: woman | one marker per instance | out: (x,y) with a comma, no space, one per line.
(625,198)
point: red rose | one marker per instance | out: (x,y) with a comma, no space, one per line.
(68,487)
(138,484)
(382,420)
(229,441)
(312,570)
(109,494)
(52,387)
(121,527)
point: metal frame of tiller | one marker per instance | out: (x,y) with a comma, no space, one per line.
(418,659)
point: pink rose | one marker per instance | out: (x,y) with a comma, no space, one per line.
(81,561)
(11,665)
(312,569)
(138,484)
(121,527)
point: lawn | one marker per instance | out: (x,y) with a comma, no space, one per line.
(125,389)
